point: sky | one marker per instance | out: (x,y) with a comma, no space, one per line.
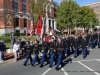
(82,2)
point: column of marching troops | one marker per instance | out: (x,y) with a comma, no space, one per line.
(58,48)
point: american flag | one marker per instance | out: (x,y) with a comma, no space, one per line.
(32,26)
(52,30)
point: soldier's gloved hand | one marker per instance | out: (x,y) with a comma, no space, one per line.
(87,46)
(42,50)
(65,54)
(54,50)
(48,51)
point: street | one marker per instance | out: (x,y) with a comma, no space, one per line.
(72,66)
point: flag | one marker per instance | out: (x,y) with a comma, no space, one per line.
(52,31)
(39,26)
(32,26)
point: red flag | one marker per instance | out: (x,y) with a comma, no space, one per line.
(39,26)
(48,38)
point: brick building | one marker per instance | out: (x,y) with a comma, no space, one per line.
(15,16)
(96,8)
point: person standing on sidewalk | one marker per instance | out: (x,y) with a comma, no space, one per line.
(1,49)
(22,44)
(12,38)
(15,50)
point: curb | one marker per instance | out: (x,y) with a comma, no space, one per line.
(7,62)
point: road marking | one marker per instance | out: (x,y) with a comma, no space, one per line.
(86,60)
(88,68)
(90,49)
(46,71)
(72,57)
(98,59)
(64,71)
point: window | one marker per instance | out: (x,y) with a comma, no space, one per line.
(54,14)
(16,22)
(97,15)
(23,8)
(93,7)
(25,22)
(49,23)
(53,24)
(24,1)
(15,7)
(97,7)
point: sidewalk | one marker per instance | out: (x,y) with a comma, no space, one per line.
(8,58)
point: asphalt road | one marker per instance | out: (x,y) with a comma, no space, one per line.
(73,66)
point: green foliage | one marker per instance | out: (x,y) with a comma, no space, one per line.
(5,38)
(87,17)
(19,34)
(38,6)
(70,14)
(67,13)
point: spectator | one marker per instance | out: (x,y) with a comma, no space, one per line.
(18,40)
(22,44)
(16,51)
(2,50)
(12,38)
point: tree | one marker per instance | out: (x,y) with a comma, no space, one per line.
(39,6)
(87,16)
(70,14)
(67,14)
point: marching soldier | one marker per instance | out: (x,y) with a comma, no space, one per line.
(52,51)
(66,45)
(84,46)
(28,51)
(92,41)
(71,43)
(44,52)
(76,46)
(36,52)
(60,50)
(88,38)
(79,38)
(95,39)
(99,40)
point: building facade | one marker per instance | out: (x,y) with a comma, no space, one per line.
(51,16)
(96,8)
(15,16)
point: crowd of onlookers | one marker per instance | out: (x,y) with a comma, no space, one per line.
(16,46)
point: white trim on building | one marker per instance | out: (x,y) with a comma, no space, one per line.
(91,4)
